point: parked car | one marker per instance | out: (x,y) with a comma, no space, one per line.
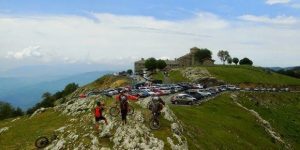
(134,93)
(231,87)
(143,94)
(195,94)
(148,91)
(212,91)
(92,93)
(113,92)
(197,86)
(165,90)
(204,93)
(183,99)
(158,92)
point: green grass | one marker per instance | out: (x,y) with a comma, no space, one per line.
(158,76)
(23,132)
(221,124)
(175,76)
(248,74)
(282,110)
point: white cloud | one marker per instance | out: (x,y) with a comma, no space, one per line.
(295,5)
(290,3)
(119,40)
(272,2)
(31,51)
(278,20)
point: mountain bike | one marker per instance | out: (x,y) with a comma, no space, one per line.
(43,141)
(154,121)
(115,110)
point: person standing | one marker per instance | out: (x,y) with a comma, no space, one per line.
(123,108)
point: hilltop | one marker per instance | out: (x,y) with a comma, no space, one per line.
(239,75)
(230,120)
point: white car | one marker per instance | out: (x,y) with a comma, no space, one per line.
(112,92)
(165,90)
(204,93)
(198,86)
(231,87)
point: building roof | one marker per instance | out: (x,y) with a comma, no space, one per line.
(142,61)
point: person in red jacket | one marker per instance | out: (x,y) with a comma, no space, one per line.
(98,113)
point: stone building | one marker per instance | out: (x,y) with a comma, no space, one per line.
(183,61)
(190,59)
(139,66)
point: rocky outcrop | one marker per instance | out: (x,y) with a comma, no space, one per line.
(176,127)
(41,110)
(4,129)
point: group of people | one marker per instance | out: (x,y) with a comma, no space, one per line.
(122,100)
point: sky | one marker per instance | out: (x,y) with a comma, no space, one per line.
(115,33)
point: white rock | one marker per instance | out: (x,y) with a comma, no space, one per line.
(61,129)
(41,110)
(73,137)
(59,145)
(15,119)
(4,129)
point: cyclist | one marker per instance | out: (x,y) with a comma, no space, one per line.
(157,105)
(98,113)
(128,97)
(123,99)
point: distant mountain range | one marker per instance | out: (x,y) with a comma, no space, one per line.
(284,68)
(24,92)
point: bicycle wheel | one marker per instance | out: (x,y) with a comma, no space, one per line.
(41,142)
(130,110)
(114,111)
(154,124)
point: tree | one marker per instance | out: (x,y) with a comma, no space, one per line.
(235,60)
(202,54)
(161,64)
(229,60)
(18,112)
(129,71)
(8,111)
(70,88)
(150,64)
(246,61)
(223,55)
(48,99)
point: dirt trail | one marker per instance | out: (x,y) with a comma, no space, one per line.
(267,126)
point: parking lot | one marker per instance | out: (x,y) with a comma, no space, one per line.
(180,94)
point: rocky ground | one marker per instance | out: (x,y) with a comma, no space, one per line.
(78,132)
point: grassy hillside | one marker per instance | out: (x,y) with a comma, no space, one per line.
(248,74)
(221,124)
(158,76)
(109,81)
(23,132)
(282,110)
(175,76)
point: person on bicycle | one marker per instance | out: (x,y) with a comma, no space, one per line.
(157,105)
(98,113)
